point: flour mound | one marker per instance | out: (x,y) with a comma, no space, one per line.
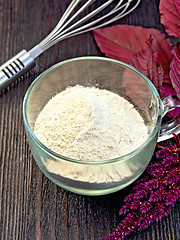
(90,124)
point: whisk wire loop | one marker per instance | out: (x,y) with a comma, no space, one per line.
(59,28)
(60,32)
(67,33)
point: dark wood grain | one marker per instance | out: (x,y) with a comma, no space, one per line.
(31,206)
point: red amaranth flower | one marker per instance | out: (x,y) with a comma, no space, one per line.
(153,195)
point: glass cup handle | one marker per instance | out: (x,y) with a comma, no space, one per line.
(173,126)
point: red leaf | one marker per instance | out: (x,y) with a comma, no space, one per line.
(146,62)
(169,90)
(135,90)
(122,41)
(170,16)
(175,70)
(174,89)
(147,49)
(177,5)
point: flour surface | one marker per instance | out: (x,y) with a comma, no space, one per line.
(90,124)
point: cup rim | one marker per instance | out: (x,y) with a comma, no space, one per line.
(122,158)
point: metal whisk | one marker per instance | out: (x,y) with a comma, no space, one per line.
(74,21)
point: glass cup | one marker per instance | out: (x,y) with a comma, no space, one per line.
(98,177)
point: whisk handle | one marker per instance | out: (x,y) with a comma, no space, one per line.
(14,68)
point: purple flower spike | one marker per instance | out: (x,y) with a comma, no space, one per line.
(124,209)
(153,195)
(145,207)
(151,184)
